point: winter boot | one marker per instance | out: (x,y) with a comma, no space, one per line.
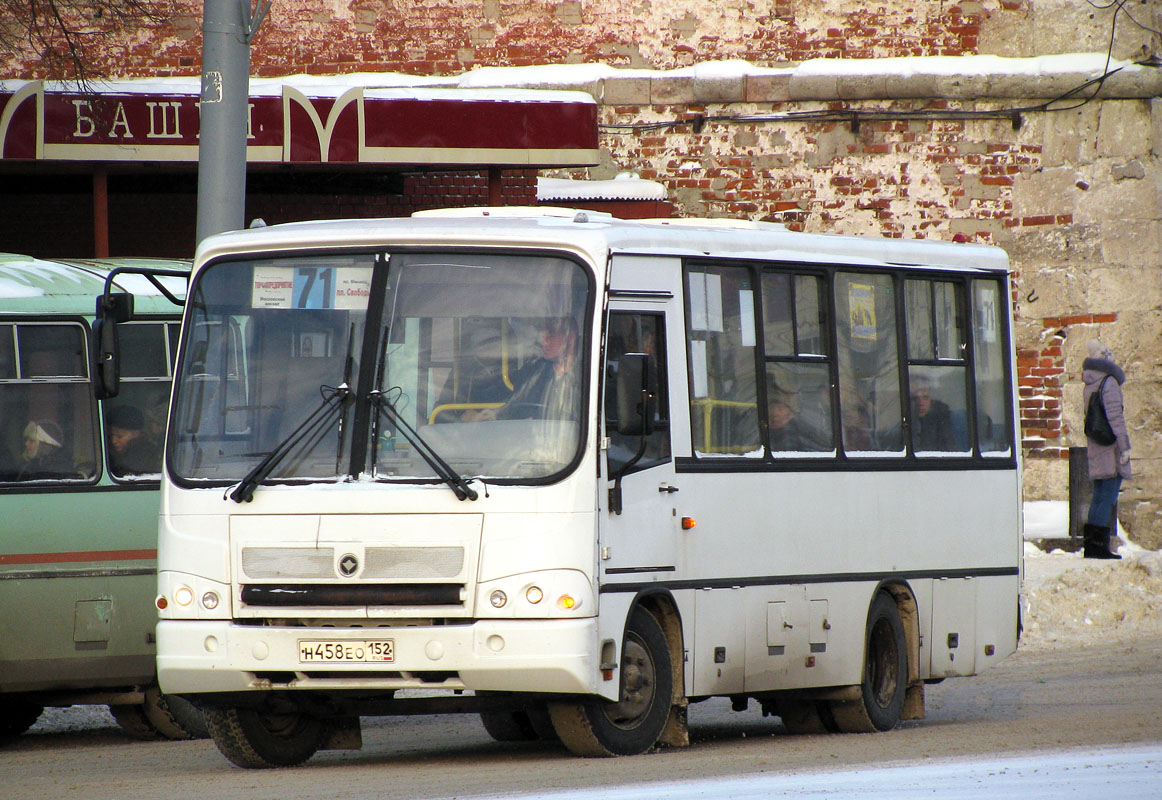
(1096,542)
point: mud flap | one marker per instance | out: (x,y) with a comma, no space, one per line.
(676,733)
(914,702)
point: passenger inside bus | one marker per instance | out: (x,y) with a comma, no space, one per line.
(43,455)
(130,451)
(788,432)
(931,419)
(547,388)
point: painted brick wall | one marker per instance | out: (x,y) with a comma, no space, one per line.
(430,37)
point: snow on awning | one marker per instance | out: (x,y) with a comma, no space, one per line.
(336,122)
(625,186)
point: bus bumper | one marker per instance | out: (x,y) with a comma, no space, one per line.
(558,656)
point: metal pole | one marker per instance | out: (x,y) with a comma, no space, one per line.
(223,123)
(1080,491)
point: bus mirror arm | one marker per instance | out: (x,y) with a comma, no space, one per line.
(615,492)
(112,309)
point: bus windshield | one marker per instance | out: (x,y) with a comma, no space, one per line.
(367,365)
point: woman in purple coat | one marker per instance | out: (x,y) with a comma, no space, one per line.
(1108,464)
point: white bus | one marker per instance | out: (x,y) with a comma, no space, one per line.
(576,472)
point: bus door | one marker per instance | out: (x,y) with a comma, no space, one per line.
(642,542)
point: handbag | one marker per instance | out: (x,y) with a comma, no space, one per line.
(1097,424)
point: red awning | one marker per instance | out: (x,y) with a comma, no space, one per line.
(157,122)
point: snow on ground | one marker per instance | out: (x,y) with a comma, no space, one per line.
(1073,600)
(1132,773)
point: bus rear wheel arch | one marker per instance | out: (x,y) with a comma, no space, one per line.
(884,680)
(635,723)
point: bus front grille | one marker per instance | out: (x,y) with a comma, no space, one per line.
(381,563)
(333,595)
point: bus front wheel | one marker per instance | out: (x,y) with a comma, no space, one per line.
(634,723)
(262,738)
(885,673)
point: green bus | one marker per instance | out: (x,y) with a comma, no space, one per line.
(79,494)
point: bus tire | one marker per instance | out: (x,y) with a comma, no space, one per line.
(173,717)
(526,725)
(508,726)
(885,673)
(134,722)
(632,725)
(259,738)
(17,716)
(806,716)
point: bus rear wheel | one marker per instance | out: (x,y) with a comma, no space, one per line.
(160,716)
(263,738)
(633,724)
(885,673)
(526,725)
(17,716)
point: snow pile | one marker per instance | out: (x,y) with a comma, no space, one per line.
(1091,601)
(1071,601)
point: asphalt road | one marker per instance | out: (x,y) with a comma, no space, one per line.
(1076,699)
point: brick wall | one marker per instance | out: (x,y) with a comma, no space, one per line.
(1072,196)
(430,37)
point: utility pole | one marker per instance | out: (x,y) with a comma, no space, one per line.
(228,27)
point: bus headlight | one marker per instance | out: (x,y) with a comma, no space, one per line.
(184,596)
(543,594)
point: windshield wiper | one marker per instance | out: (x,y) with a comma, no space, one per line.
(314,425)
(457,482)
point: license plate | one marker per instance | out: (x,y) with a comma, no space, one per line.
(358,651)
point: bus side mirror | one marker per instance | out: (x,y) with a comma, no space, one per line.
(637,394)
(111,309)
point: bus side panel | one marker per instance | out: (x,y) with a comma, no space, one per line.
(77,584)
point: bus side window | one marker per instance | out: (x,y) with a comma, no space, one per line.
(989,360)
(46,409)
(934,323)
(634,332)
(723,389)
(869,367)
(135,419)
(798,373)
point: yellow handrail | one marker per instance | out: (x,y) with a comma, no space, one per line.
(708,404)
(458,407)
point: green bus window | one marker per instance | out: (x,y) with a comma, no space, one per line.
(7,352)
(46,424)
(135,419)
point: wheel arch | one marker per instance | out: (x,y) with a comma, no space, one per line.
(660,603)
(909,610)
